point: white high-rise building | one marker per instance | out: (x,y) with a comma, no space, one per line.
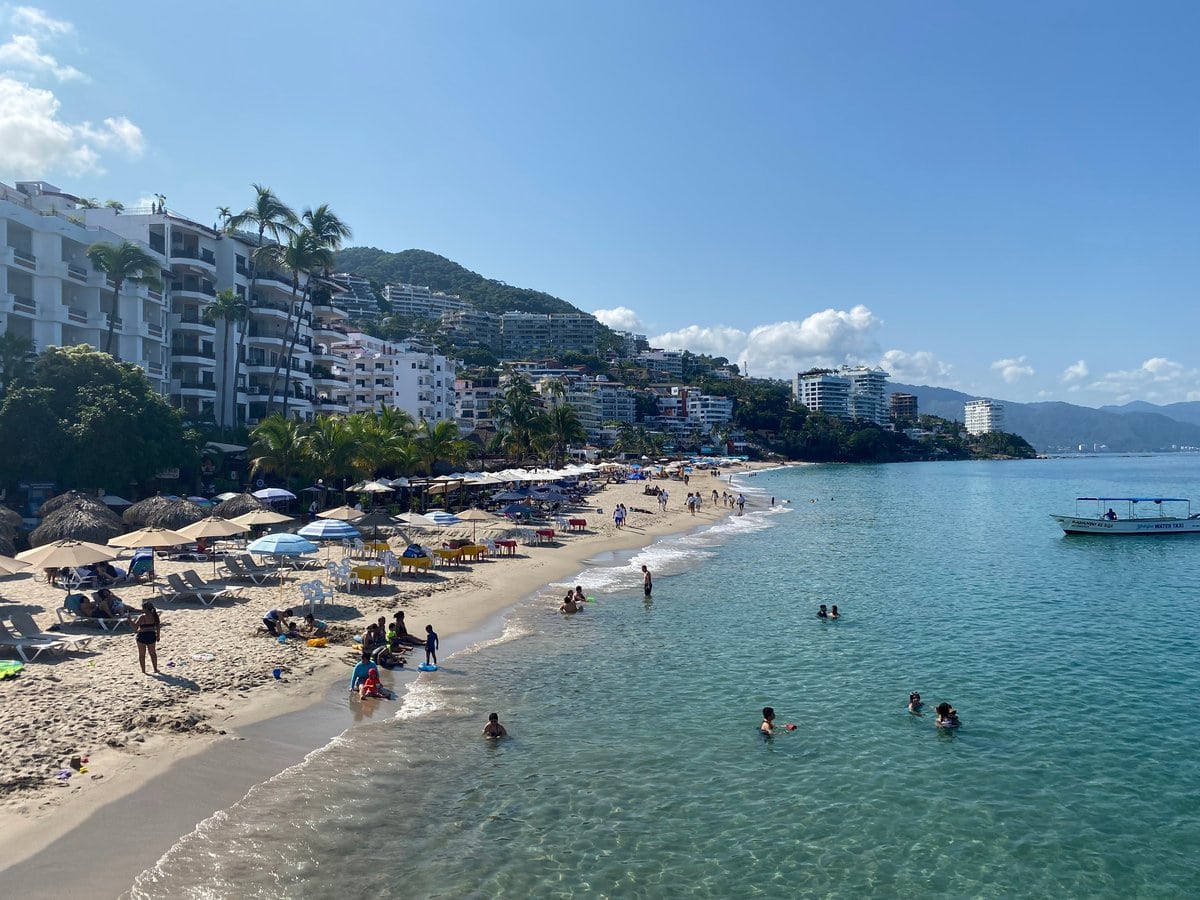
(851,392)
(824,392)
(868,394)
(403,375)
(983,416)
(420,302)
(51,294)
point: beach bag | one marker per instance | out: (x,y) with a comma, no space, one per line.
(317,642)
(413,551)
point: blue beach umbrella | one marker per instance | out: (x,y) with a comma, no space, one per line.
(328,530)
(441,517)
(274,495)
(282,544)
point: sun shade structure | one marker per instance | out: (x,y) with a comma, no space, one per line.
(212,527)
(62,554)
(328,530)
(283,544)
(344,513)
(163,512)
(442,518)
(262,517)
(274,495)
(70,498)
(78,522)
(150,537)
(237,505)
(9,566)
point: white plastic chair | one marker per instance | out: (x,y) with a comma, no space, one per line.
(388,560)
(336,578)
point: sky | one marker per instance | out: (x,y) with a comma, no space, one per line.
(1002,198)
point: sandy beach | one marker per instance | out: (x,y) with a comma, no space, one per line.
(165,752)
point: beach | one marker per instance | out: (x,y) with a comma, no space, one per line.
(165,752)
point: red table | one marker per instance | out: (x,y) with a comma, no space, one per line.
(544,535)
(508,548)
(577,524)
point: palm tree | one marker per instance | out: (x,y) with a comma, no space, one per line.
(88,203)
(17,354)
(276,447)
(558,428)
(115,204)
(515,412)
(268,216)
(229,308)
(440,442)
(302,256)
(123,262)
(330,446)
(224,214)
(327,229)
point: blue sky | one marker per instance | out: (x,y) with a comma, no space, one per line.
(1001,198)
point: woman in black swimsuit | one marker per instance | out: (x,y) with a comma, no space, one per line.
(147,627)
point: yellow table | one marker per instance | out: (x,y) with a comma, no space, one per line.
(414,562)
(377,546)
(369,573)
(448,556)
(472,551)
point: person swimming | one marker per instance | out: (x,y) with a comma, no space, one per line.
(833,613)
(947,716)
(768,723)
(914,702)
(822,613)
(569,605)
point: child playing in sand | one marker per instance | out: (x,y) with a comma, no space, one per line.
(431,645)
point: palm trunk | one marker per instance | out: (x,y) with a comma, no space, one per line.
(237,364)
(279,360)
(225,372)
(112,320)
(287,381)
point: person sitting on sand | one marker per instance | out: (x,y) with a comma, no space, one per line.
(947,715)
(402,635)
(914,702)
(364,668)
(276,621)
(768,722)
(315,626)
(293,631)
(371,686)
(493,729)
(822,613)
(569,605)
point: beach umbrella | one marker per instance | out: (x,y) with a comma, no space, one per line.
(520,494)
(71,498)
(228,495)
(442,518)
(345,513)
(114,500)
(282,544)
(201,501)
(398,482)
(376,487)
(8,546)
(475,516)
(519,509)
(328,530)
(213,527)
(356,487)
(415,519)
(150,537)
(78,522)
(237,505)
(10,566)
(274,495)
(261,517)
(64,554)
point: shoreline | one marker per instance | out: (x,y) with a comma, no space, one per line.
(161,795)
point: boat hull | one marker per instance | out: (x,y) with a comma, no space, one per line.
(1123,527)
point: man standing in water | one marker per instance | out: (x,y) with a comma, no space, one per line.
(647,581)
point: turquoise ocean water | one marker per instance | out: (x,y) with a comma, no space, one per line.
(634,768)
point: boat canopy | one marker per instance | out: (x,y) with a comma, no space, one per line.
(1137,499)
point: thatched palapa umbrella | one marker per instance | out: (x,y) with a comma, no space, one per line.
(7,546)
(10,520)
(237,506)
(79,522)
(161,512)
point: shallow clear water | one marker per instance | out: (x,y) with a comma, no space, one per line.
(634,768)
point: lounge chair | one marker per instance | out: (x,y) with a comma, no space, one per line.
(236,569)
(29,631)
(24,646)
(219,590)
(70,611)
(250,565)
(180,590)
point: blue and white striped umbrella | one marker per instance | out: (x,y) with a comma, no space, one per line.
(441,517)
(282,544)
(328,530)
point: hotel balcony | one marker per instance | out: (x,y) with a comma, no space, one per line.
(206,390)
(191,323)
(23,259)
(193,288)
(204,260)
(331,405)
(186,354)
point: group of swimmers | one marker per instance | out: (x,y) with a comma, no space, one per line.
(824,613)
(573,602)
(947,715)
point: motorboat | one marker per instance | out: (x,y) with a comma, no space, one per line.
(1130,515)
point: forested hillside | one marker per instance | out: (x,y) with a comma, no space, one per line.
(428,269)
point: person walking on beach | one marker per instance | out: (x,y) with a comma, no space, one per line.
(148,627)
(647,581)
(431,645)
(741,504)
(493,730)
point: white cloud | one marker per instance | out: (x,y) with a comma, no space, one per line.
(34,141)
(1075,372)
(35,19)
(1012,370)
(1157,380)
(920,367)
(22,51)
(621,318)
(781,349)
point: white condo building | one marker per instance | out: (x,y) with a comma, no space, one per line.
(401,375)
(983,416)
(851,392)
(51,294)
(420,302)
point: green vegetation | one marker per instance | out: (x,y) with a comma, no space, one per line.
(440,274)
(82,420)
(122,262)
